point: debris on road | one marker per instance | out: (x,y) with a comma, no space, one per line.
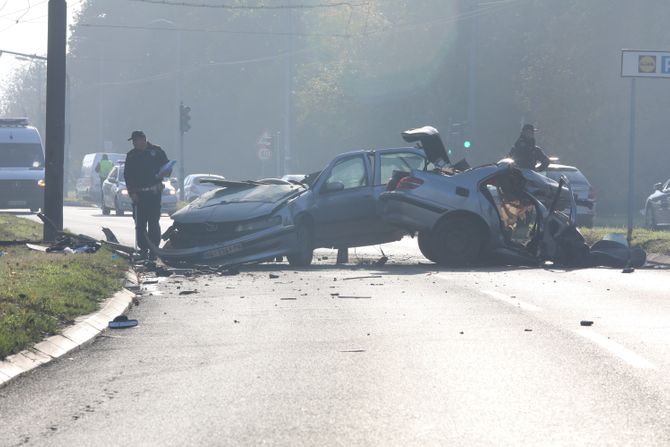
(188,292)
(273,276)
(122,322)
(354,297)
(361,277)
(586,323)
(288,299)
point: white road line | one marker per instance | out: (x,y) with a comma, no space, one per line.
(615,348)
(511,301)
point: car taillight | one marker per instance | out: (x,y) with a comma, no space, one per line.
(592,193)
(409,183)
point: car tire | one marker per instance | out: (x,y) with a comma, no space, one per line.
(650,218)
(117,209)
(458,241)
(305,249)
(427,245)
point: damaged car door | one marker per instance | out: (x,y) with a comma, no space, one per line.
(344,206)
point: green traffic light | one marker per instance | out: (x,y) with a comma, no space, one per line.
(467,144)
(449,152)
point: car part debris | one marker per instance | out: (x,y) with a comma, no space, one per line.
(188,292)
(586,323)
(361,277)
(122,322)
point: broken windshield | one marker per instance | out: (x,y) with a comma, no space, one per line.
(251,193)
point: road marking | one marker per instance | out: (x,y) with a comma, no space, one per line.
(615,348)
(511,301)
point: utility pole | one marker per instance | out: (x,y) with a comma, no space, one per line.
(55,125)
(184,126)
(288,111)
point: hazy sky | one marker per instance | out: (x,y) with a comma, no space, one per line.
(23,28)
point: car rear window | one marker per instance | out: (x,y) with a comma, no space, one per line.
(573,175)
(21,155)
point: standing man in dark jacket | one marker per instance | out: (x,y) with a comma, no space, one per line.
(145,188)
(525,154)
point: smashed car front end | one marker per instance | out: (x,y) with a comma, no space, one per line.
(235,225)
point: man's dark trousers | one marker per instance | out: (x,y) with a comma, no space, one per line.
(147,215)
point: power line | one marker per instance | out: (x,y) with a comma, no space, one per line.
(209,30)
(228,6)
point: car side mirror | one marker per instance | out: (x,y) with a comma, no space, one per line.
(658,186)
(332,187)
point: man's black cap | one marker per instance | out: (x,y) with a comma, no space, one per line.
(528,127)
(136,134)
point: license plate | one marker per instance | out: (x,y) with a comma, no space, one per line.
(223,251)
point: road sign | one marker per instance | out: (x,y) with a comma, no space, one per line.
(645,63)
(264,154)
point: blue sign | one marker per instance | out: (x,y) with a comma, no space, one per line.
(665,64)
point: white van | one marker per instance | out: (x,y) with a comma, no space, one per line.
(88,184)
(21,165)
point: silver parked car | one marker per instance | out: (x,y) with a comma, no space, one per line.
(492,213)
(196,185)
(258,220)
(115,195)
(657,208)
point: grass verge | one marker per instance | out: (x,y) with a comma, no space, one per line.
(652,241)
(42,292)
(13,228)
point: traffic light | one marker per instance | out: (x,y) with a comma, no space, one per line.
(467,143)
(184,118)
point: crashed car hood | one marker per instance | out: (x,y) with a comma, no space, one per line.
(236,204)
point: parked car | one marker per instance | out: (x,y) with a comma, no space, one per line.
(585,195)
(495,212)
(88,184)
(196,185)
(657,207)
(21,165)
(115,195)
(258,220)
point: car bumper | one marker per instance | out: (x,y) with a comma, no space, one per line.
(255,247)
(32,197)
(407,212)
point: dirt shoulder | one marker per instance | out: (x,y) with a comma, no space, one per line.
(40,293)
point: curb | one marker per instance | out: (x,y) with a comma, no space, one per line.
(85,329)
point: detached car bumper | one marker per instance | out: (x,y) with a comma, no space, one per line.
(256,247)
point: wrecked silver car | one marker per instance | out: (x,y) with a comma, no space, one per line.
(494,213)
(254,221)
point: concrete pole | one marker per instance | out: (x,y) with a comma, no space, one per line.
(55,124)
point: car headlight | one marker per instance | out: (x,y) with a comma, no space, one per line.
(258,225)
(41,183)
(124,192)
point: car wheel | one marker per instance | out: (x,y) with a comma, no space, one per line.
(427,245)
(305,249)
(650,218)
(458,241)
(117,209)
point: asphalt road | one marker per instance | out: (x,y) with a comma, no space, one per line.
(404,354)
